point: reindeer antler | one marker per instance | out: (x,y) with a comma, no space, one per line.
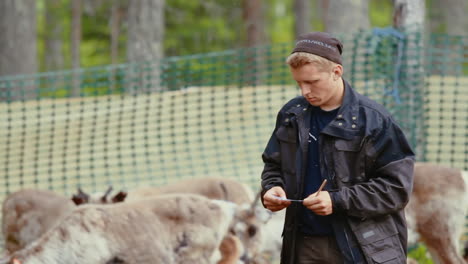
(119,197)
(255,201)
(81,197)
(104,197)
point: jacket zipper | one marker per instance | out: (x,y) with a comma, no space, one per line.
(349,247)
(324,161)
(303,156)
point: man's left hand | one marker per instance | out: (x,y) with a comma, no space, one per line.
(320,204)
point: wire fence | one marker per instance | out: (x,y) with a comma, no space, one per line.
(212,114)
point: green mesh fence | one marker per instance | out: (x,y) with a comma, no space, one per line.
(212,114)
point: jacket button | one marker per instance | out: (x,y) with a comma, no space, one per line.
(340,124)
(353,126)
(298,105)
(354,118)
(340,116)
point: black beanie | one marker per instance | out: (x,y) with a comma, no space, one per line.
(321,44)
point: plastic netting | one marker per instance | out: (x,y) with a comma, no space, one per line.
(212,114)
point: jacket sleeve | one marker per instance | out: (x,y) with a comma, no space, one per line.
(271,174)
(390,181)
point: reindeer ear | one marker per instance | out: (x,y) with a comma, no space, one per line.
(104,197)
(78,200)
(81,197)
(116,260)
(263,214)
(119,197)
(80,192)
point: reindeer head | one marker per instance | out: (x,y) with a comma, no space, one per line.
(9,260)
(98,198)
(80,198)
(247,226)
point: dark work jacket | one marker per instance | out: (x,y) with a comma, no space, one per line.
(368,163)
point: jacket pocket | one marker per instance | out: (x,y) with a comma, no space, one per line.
(287,138)
(286,134)
(379,240)
(349,165)
(348,145)
(387,256)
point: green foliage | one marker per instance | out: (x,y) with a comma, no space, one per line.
(95,47)
(420,254)
(202,26)
(280,23)
(380,13)
(229,68)
(191,27)
(40,33)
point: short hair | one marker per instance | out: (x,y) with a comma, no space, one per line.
(299,59)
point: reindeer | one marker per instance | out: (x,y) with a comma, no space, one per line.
(211,187)
(437,209)
(98,198)
(170,229)
(29,213)
(435,214)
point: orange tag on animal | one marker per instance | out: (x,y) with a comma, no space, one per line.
(16,261)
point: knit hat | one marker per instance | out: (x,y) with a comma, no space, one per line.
(321,44)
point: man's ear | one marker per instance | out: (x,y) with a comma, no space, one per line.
(337,72)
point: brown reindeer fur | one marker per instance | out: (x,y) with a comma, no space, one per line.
(211,187)
(437,210)
(231,250)
(219,189)
(27,214)
(170,229)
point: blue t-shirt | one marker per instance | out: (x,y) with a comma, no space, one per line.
(313,224)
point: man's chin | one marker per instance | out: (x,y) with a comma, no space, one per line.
(314,102)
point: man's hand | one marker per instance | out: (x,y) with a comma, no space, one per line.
(271,202)
(320,205)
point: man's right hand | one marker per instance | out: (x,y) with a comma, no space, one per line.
(272,203)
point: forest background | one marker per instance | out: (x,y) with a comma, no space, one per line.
(53,35)
(49,35)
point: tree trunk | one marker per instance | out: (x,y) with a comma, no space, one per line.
(449,16)
(18,53)
(145,43)
(254,25)
(408,17)
(302,17)
(53,56)
(118,10)
(409,14)
(115,24)
(455,16)
(75,45)
(254,22)
(343,16)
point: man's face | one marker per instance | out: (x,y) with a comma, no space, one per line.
(317,86)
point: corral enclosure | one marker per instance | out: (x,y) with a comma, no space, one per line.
(212,114)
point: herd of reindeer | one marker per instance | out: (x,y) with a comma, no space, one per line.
(201,220)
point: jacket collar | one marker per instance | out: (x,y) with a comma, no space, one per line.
(346,123)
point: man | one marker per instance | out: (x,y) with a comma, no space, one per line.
(331,132)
